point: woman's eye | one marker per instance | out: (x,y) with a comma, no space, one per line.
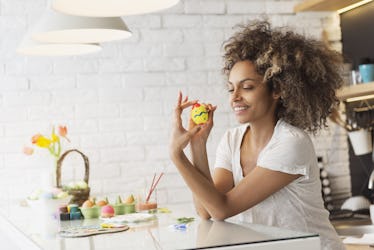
(230,90)
(248,87)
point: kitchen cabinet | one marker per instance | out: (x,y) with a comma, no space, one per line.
(323,5)
(359,90)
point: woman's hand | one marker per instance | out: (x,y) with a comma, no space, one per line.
(180,137)
(196,134)
(201,137)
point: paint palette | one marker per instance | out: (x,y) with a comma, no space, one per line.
(83,231)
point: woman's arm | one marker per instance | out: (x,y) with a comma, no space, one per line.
(222,178)
(199,156)
(200,161)
(259,184)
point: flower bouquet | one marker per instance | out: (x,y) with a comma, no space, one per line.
(52,144)
(78,190)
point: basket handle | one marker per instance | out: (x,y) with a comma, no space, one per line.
(59,163)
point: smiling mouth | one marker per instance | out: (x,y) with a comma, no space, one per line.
(240,108)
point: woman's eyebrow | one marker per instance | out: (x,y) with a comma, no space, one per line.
(244,80)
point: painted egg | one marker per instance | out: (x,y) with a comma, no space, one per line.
(107,211)
(199,114)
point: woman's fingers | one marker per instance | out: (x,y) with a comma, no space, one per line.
(194,130)
(181,104)
(191,123)
(185,103)
(188,104)
(178,110)
(211,109)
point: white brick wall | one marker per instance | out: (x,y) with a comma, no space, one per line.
(117,103)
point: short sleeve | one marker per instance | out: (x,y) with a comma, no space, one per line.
(224,153)
(290,154)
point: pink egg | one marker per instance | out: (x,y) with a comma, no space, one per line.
(107,211)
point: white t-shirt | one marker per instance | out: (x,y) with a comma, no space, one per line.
(297,206)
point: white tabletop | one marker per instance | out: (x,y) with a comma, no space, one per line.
(31,232)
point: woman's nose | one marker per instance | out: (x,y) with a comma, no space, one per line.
(236,95)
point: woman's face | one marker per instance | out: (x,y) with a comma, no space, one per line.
(250,98)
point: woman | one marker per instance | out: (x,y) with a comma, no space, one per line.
(280,85)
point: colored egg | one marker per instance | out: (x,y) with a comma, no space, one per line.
(107,211)
(199,114)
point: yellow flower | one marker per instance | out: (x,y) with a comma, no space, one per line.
(52,143)
(54,137)
(43,142)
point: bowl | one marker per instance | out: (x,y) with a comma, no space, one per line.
(119,209)
(129,208)
(48,207)
(90,212)
(356,203)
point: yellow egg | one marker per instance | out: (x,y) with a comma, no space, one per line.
(130,199)
(199,114)
(88,204)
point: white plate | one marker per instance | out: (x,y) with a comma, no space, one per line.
(129,218)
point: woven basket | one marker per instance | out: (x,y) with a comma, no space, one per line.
(78,195)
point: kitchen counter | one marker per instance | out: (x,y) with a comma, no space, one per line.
(30,232)
(358,247)
(354,227)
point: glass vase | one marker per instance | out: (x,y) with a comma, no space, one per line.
(49,176)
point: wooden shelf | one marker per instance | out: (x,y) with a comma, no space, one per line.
(359,90)
(323,5)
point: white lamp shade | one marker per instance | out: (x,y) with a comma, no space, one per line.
(106,8)
(54,27)
(32,48)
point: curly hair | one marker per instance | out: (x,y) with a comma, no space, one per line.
(305,72)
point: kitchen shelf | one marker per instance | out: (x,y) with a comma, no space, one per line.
(358,90)
(323,5)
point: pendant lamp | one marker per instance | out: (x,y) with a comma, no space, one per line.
(32,48)
(110,8)
(54,27)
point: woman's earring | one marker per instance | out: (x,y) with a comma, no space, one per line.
(277,96)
